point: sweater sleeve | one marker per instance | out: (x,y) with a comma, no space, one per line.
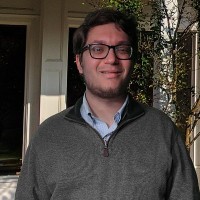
(182,183)
(31,184)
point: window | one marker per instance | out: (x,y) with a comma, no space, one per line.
(12,67)
(75,84)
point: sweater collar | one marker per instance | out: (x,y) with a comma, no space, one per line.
(133,110)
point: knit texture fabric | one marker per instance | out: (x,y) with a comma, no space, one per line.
(146,160)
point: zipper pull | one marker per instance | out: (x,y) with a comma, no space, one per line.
(105,150)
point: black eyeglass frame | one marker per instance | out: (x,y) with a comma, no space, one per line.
(87,47)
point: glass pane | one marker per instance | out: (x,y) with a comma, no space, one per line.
(75,85)
(12,67)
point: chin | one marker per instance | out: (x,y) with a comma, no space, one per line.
(110,93)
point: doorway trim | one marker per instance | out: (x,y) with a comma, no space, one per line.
(32,72)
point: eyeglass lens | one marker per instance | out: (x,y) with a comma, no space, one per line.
(100,51)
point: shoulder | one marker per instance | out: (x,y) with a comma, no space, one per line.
(155,112)
(59,126)
(145,112)
(52,128)
(158,118)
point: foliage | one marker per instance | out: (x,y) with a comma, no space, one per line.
(127,6)
(163,73)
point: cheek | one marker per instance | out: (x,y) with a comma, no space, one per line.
(89,65)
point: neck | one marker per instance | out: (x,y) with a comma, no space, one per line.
(105,108)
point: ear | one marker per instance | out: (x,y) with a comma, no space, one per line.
(78,64)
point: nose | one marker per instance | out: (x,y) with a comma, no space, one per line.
(111,57)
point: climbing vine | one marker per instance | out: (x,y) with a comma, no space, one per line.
(162,75)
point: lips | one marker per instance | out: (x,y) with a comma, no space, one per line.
(111,73)
(108,72)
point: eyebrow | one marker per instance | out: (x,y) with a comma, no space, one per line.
(103,42)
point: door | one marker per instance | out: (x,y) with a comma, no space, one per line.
(12,78)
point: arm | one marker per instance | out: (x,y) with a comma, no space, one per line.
(183,183)
(31,184)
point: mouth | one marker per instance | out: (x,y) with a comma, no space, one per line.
(111,74)
(108,72)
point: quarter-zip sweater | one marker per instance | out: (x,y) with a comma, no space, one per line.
(145,159)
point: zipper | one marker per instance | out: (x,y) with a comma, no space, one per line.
(105,150)
(104,141)
(79,120)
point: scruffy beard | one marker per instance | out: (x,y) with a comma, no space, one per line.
(107,93)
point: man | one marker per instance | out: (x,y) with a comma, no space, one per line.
(107,146)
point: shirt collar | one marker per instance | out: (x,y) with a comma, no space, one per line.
(85,106)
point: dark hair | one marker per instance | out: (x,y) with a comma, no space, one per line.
(105,16)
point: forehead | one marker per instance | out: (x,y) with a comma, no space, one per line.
(107,33)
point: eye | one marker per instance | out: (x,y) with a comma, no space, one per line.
(97,49)
(123,49)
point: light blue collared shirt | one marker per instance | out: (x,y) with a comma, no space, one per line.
(99,125)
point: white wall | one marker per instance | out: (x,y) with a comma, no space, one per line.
(54,58)
(196,147)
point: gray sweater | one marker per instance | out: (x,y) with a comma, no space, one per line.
(145,159)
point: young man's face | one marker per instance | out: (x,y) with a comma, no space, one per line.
(107,77)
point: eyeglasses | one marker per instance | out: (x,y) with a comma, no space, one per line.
(100,51)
